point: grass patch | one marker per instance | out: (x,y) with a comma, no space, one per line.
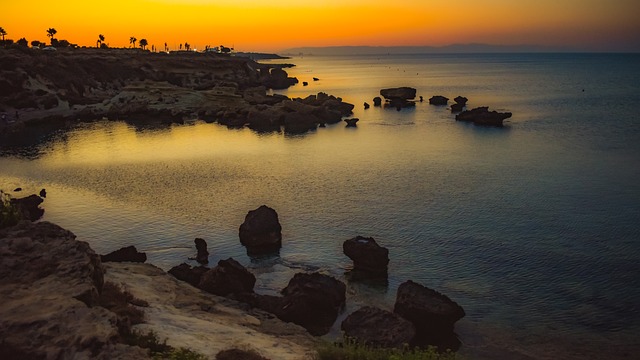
(120,302)
(159,350)
(350,350)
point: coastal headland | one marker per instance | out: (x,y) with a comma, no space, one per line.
(41,91)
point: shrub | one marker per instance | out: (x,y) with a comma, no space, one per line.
(351,350)
(9,213)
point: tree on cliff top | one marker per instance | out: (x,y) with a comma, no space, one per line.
(132,41)
(143,43)
(3,33)
(50,33)
(100,41)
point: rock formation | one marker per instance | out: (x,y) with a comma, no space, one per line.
(203,254)
(377,327)
(125,254)
(229,277)
(366,254)
(351,122)
(29,207)
(482,116)
(438,100)
(261,231)
(188,274)
(399,97)
(377,101)
(432,313)
(50,286)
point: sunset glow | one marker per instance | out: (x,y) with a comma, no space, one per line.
(274,25)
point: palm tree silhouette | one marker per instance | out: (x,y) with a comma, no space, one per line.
(187,46)
(3,33)
(100,40)
(50,33)
(143,43)
(132,41)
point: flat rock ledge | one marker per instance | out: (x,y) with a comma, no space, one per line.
(50,283)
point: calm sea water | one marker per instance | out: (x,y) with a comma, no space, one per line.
(533,228)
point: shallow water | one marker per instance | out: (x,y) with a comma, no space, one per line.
(533,228)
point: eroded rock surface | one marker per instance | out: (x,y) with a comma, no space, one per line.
(377,327)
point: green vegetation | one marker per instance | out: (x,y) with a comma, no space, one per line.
(132,41)
(3,32)
(350,350)
(143,43)
(9,213)
(50,33)
(160,350)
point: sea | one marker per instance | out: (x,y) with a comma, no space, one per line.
(533,228)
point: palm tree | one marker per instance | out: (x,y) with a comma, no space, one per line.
(3,33)
(132,41)
(143,43)
(50,33)
(100,40)
(187,46)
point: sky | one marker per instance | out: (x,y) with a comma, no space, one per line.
(274,25)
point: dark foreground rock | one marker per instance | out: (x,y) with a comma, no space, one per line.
(432,313)
(377,327)
(229,277)
(366,254)
(351,122)
(377,101)
(188,274)
(29,207)
(310,300)
(49,286)
(482,116)
(261,231)
(125,254)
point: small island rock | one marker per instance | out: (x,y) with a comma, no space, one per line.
(438,100)
(125,254)
(482,116)
(366,254)
(261,231)
(229,277)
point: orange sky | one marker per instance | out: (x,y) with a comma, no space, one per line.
(273,25)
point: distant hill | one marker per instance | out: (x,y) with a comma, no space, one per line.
(259,56)
(455,48)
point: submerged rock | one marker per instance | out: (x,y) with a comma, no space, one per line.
(376,327)
(261,231)
(399,97)
(125,254)
(461,100)
(366,254)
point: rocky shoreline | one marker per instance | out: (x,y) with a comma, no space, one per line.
(46,91)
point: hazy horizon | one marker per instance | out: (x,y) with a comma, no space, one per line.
(277,25)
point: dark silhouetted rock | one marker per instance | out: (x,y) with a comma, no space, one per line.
(456,108)
(366,254)
(377,327)
(304,83)
(461,100)
(421,98)
(312,301)
(366,105)
(229,277)
(438,100)
(482,116)
(399,97)
(43,193)
(278,79)
(203,254)
(404,93)
(29,207)
(432,313)
(18,189)
(377,101)
(351,122)
(261,231)
(125,254)
(188,274)
(315,79)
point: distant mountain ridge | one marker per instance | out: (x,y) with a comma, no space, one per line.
(455,48)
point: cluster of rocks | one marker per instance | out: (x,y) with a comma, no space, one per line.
(314,300)
(477,116)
